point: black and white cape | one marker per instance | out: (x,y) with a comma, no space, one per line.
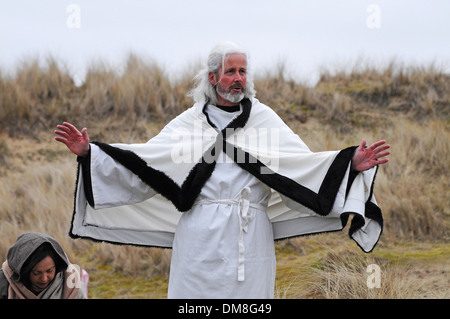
(140,190)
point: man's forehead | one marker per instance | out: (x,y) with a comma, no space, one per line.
(235,59)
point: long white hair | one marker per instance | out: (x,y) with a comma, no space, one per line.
(203,89)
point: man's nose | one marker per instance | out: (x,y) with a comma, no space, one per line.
(237,77)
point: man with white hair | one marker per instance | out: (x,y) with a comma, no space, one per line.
(240,177)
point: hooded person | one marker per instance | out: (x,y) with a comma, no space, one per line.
(37,267)
(240,177)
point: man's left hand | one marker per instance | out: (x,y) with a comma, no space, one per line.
(367,157)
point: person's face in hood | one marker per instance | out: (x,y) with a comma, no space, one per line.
(42,274)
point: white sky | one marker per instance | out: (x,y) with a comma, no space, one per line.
(307,35)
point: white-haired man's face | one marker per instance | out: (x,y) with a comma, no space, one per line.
(230,81)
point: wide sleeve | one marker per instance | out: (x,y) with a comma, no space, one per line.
(314,192)
(126,210)
(120,188)
(112,184)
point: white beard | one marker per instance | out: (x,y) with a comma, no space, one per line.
(233,98)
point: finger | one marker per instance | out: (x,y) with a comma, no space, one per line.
(362,145)
(384,154)
(63,134)
(377,144)
(63,128)
(62,140)
(382,148)
(70,126)
(383,161)
(85,135)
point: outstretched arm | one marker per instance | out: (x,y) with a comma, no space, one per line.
(77,142)
(367,157)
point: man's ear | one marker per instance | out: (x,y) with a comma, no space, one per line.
(212,78)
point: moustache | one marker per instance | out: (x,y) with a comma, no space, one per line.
(236,86)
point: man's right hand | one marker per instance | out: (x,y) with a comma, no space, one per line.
(76,141)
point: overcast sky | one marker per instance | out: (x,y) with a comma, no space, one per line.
(307,35)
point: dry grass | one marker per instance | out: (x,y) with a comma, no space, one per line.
(345,276)
(417,181)
(407,106)
(331,268)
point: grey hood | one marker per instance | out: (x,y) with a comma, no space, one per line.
(25,245)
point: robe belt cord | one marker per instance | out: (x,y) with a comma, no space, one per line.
(245,216)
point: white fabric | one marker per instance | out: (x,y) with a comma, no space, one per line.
(245,216)
(114,186)
(217,238)
(224,246)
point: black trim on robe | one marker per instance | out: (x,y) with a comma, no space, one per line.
(184,197)
(85,164)
(229,109)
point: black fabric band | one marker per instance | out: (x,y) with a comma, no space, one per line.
(229,109)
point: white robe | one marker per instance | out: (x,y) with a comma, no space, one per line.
(218,252)
(224,231)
